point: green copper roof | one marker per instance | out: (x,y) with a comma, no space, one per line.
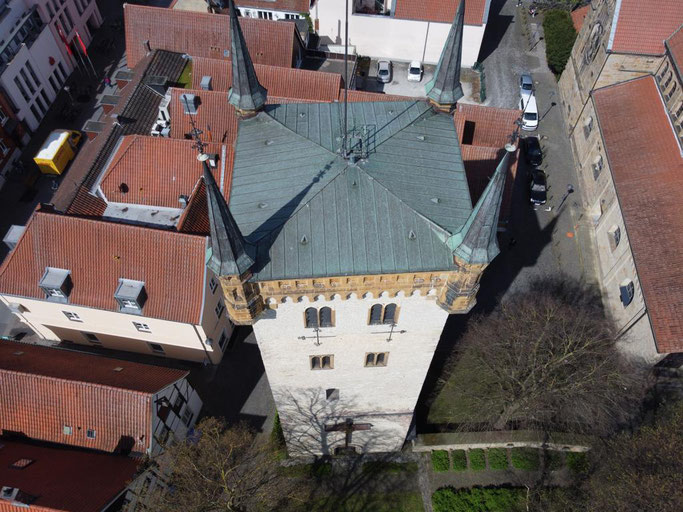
(310,213)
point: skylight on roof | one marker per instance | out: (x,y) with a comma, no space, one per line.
(21,463)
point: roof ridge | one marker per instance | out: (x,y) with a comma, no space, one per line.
(11,254)
(420,117)
(129,141)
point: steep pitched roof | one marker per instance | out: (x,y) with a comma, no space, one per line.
(442,11)
(215,117)
(641,27)
(492,126)
(200,34)
(647,169)
(675,47)
(157,170)
(299,6)
(64,479)
(99,253)
(578,15)
(445,88)
(281,82)
(44,389)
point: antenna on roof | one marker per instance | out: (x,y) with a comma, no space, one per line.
(196,134)
(345,152)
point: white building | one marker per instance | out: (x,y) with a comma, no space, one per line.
(34,63)
(402,30)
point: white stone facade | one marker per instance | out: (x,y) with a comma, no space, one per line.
(382,396)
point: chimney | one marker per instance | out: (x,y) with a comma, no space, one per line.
(190,103)
(206,83)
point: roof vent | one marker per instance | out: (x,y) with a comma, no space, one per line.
(205,84)
(123,188)
(118,369)
(56,283)
(268,142)
(421,137)
(302,114)
(435,200)
(262,205)
(190,103)
(412,235)
(182,199)
(304,240)
(131,296)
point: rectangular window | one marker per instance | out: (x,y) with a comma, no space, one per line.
(92,338)
(36,114)
(187,416)
(91,434)
(376,359)
(142,327)
(156,348)
(3,148)
(33,73)
(325,362)
(219,309)
(62,71)
(72,316)
(179,401)
(45,98)
(222,340)
(332,394)
(67,430)
(22,90)
(3,116)
(53,83)
(50,9)
(213,285)
(68,18)
(27,82)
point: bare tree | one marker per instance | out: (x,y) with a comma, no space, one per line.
(223,469)
(546,358)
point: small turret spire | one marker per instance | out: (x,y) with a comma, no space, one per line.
(444,90)
(476,243)
(246,94)
(228,247)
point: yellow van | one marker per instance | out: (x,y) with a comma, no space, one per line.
(57,151)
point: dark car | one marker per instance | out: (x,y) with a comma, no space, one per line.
(532,151)
(538,187)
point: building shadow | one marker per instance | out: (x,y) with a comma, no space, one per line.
(495,29)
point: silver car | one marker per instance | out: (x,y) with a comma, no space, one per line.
(384,71)
(526,86)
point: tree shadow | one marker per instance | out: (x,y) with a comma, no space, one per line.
(496,27)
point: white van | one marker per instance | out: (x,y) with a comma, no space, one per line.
(530,113)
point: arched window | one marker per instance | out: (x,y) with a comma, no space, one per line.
(315,363)
(325,317)
(389,314)
(381,359)
(311,317)
(627,291)
(370,360)
(376,314)
(327,362)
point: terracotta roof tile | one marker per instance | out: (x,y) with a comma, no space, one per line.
(441,11)
(64,479)
(642,27)
(358,96)
(647,169)
(299,6)
(215,116)
(492,126)
(201,34)
(87,204)
(675,46)
(578,15)
(280,82)
(195,217)
(99,253)
(44,389)
(157,170)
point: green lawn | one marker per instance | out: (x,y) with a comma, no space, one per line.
(477,458)
(498,458)
(478,499)
(525,458)
(395,502)
(459,460)
(185,80)
(440,460)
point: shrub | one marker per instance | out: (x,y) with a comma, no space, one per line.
(317,470)
(477,459)
(559,38)
(498,458)
(277,437)
(459,460)
(577,462)
(524,458)
(554,460)
(376,466)
(440,460)
(478,499)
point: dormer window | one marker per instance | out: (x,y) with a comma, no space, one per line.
(57,284)
(131,296)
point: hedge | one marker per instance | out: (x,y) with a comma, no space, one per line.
(559,38)
(477,459)
(459,460)
(378,466)
(498,458)
(440,460)
(478,499)
(524,458)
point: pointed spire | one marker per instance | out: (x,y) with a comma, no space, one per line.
(445,89)
(246,93)
(476,242)
(228,247)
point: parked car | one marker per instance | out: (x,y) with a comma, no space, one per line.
(532,151)
(538,187)
(526,86)
(529,113)
(415,71)
(384,71)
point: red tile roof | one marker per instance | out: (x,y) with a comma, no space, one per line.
(99,253)
(195,217)
(280,82)
(358,96)
(642,27)
(492,126)
(201,34)
(299,6)
(44,389)
(578,15)
(647,169)
(64,479)
(87,204)
(441,11)
(157,170)
(675,46)
(215,116)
